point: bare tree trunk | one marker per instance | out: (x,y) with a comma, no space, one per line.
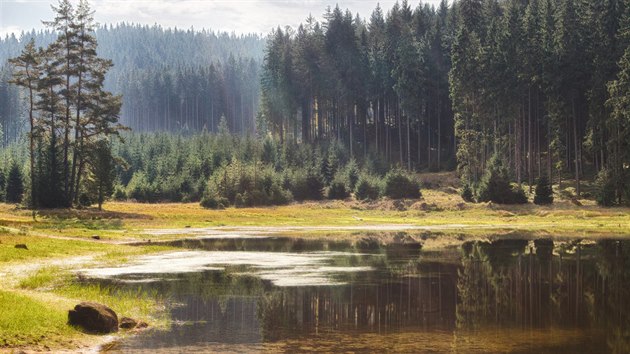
(529,140)
(575,149)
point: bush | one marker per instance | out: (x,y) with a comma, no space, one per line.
(140,189)
(245,185)
(305,185)
(605,187)
(517,196)
(367,188)
(214,202)
(400,184)
(338,188)
(85,200)
(119,193)
(495,185)
(544,192)
(467,193)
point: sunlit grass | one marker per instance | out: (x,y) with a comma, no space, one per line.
(45,277)
(24,321)
(439,209)
(43,247)
(136,303)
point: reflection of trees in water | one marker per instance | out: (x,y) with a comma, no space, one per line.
(609,303)
(537,285)
(510,283)
(401,293)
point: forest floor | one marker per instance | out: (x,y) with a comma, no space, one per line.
(39,285)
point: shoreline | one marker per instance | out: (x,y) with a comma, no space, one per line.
(67,238)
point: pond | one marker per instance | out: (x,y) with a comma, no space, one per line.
(287,294)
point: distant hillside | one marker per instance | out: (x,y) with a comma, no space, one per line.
(171,79)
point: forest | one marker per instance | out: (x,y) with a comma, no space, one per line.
(508,93)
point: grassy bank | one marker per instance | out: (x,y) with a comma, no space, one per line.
(41,279)
(39,287)
(438,210)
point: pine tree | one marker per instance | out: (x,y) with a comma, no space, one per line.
(102,169)
(26,74)
(15,184)
(544,192)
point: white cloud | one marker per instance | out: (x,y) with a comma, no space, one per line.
(241,16)
(7,30)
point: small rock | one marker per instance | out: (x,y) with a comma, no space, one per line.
(96,237)
(142,324)
(127,323)
(22,246)
(187,226)
(93,317)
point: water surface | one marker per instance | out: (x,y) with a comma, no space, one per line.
(289,294)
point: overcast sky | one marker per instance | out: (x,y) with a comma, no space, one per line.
(240,16)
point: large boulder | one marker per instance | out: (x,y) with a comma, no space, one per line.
(93,317)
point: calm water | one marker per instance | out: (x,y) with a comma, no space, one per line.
(286,294)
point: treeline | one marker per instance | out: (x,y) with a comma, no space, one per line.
(534,83)
(170,79)
(192,99)
(224,169)
(539,83)
(379,86)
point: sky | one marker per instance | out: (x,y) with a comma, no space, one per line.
(239,16)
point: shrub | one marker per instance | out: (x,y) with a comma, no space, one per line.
(140,189)
(245,185)
(119,193)
(517,196)
(214,202)
(305,185)
(467,193)
(85,200)
(605,187)
(544,192)
(400,184)
(495,185)
(338,188)
(367,188)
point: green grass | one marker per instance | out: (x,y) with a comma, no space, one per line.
(137,303)
(43,247)
(24,321)
(46,277)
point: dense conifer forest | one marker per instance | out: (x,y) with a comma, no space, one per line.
(503,91)
(170,79)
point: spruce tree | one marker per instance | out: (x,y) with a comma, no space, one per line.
(495,185)
(102,168)
(544,192)
(3,184)
(15,184)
